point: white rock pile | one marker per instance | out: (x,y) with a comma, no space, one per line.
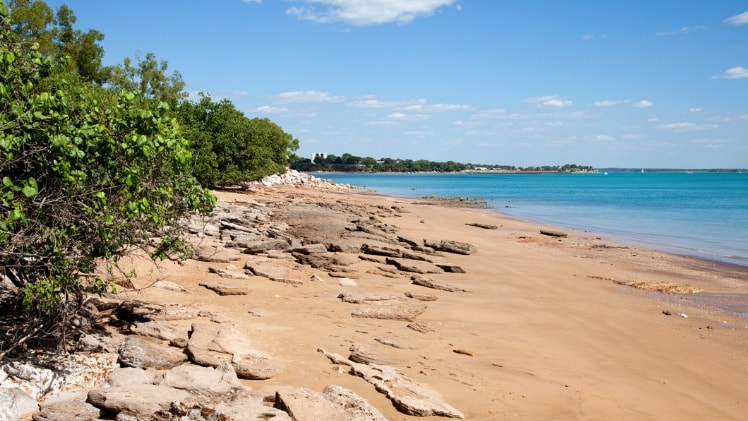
(296,178)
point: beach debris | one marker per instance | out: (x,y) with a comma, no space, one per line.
(484,226)
(684,315)
(406,396)
(451,246)
(666,312)
(434,284)
(552,233)
(464,352)
(347,282)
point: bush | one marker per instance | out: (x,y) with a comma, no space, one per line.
(87,174)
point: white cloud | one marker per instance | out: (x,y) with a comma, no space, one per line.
(271,110)
(740,19)
(696,109)
(681,31)
(685,126)
(603,138)
(408,117)
(587,37)
(609,102)
(738,72)
(306,96)
(435,107)
(551,101)
(490,114)
(252,1)
(366,12)
(644,104)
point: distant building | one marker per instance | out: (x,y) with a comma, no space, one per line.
(318,155)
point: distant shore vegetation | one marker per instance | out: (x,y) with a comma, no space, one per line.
(356,164)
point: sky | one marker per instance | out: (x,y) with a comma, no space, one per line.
(635,83)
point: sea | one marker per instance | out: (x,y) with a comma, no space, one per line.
(701,214)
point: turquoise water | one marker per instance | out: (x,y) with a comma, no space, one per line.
(700,214)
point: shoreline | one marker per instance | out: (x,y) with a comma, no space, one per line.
(530,327)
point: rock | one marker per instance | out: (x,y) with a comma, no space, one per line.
(450,268)
(176,336)
(421,297)
(68,406)
(551,233)
(223,273)
(451,246)
(16,404)
(136,352)
(407,396)
(105,342)
(390,342)
(224,289)
(169,286)
(141,401)
(364,355)
(345,259)
(356,407)
(306,405)
(402,310)
(262,246)
(421,327)
(250,406)
(135,310)
(382,249)
(415,266)
(131,377)
(484,226)
(203,380)
(217,254)
(211,344)
(362,298)
(266,268)
(430,283)
(347,282)
(311,249)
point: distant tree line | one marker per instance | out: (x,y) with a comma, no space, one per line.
(352,163)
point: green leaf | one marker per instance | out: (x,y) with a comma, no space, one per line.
(30,189)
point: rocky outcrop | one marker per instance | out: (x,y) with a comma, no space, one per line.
(212,344)
(451,246)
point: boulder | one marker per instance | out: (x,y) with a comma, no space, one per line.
(400,310)
(131,377)
(16,404)
(229,274)
(136,352)
(176,336)
(67,406)
(136,310)
(356,407)
(140,401)
(203,380)
(250,406)
(211,344)
(434,284)
(262,246)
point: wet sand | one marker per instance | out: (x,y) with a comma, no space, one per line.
(554,330)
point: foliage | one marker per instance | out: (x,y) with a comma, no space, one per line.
(149,77)
(86,174)
(230,148)
(79,52)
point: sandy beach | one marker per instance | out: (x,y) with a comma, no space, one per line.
(544,327)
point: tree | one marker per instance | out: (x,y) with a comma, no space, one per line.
(230,148)
(35,22)
(87,174)
(148,76)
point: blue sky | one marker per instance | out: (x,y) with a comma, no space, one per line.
(653,83)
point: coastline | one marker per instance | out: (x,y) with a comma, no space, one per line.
(538,327)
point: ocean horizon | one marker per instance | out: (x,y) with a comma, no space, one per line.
(697,213)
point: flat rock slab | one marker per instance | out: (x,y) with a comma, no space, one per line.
(143,400)
(72,406)
(407,396)
(267,268)
(203,380)
(434,284)
(451,246)
(250,406)
(224,289)
(136,310)
(212,344)
(415,266)
(364,298)
(229,274)
(306,405)
(217,254)
(175,335)
(357,408)
(136,352)
(263,246)
(399,310)
(15,403)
